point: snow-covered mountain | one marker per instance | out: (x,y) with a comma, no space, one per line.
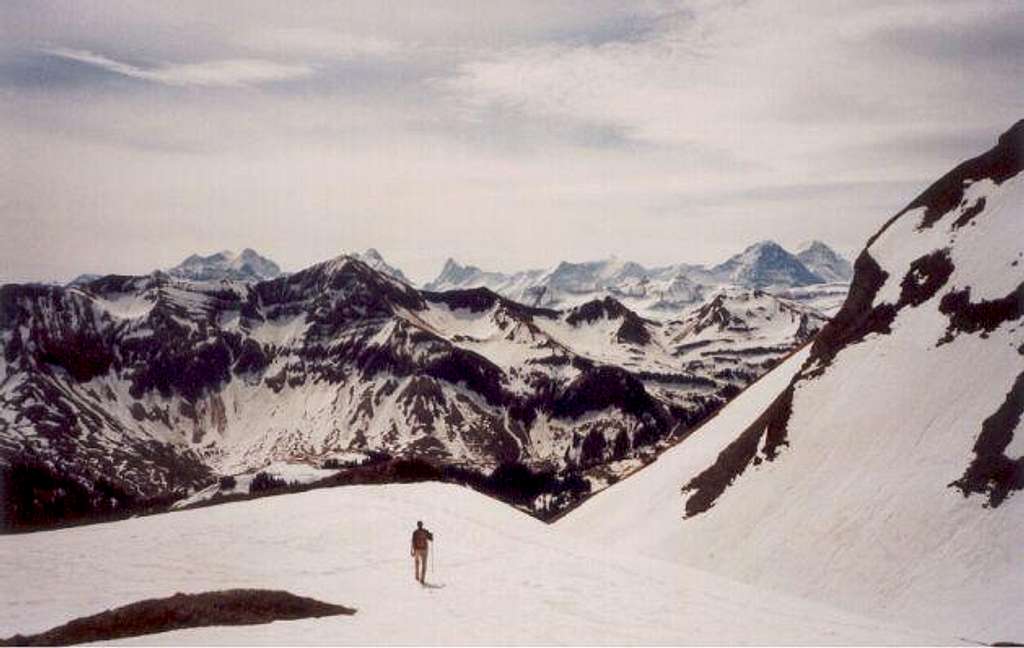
(156,383)
(455,276)
(247,265)
(825,262)
(654,292)
(882,472)
(765,264)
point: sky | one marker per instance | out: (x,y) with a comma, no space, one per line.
(509,134)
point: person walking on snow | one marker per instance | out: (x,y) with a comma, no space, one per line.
(421,539)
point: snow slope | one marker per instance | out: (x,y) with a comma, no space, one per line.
(500,577)
(885,477)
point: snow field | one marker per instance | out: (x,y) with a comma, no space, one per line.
(501,577)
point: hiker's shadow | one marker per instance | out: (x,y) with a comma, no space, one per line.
(433,585)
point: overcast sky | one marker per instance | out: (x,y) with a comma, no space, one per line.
(507,134)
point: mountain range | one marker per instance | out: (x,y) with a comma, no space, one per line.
(246,266)
(154,384)
(654,291)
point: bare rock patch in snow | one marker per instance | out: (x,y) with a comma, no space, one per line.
(225,607)
(992,472)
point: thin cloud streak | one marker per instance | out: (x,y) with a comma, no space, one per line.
(225,73)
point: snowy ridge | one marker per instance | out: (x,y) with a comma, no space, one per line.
(885,476)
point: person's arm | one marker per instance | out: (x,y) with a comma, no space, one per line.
(430,536)
(412,545)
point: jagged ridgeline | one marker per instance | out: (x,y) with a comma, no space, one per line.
(126,388)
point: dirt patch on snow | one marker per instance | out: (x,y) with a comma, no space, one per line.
(226,607)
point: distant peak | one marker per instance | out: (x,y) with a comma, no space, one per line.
(248,265)
(766,244)
(814,245)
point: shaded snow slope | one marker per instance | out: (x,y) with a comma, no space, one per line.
(885,477)
(500,577)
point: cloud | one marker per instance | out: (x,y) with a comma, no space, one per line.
(772,88)
(224,73)
(323,42)
(505,134)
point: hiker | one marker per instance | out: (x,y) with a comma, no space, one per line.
(421,539)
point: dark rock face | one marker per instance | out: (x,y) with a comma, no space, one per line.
(966,316)
(998,164)
(858,316)
(927,275)
(771,427)
(603,387)
(480,299)
(632,330)
(716,314)
(992,472)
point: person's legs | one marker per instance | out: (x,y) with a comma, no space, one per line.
(421,565)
